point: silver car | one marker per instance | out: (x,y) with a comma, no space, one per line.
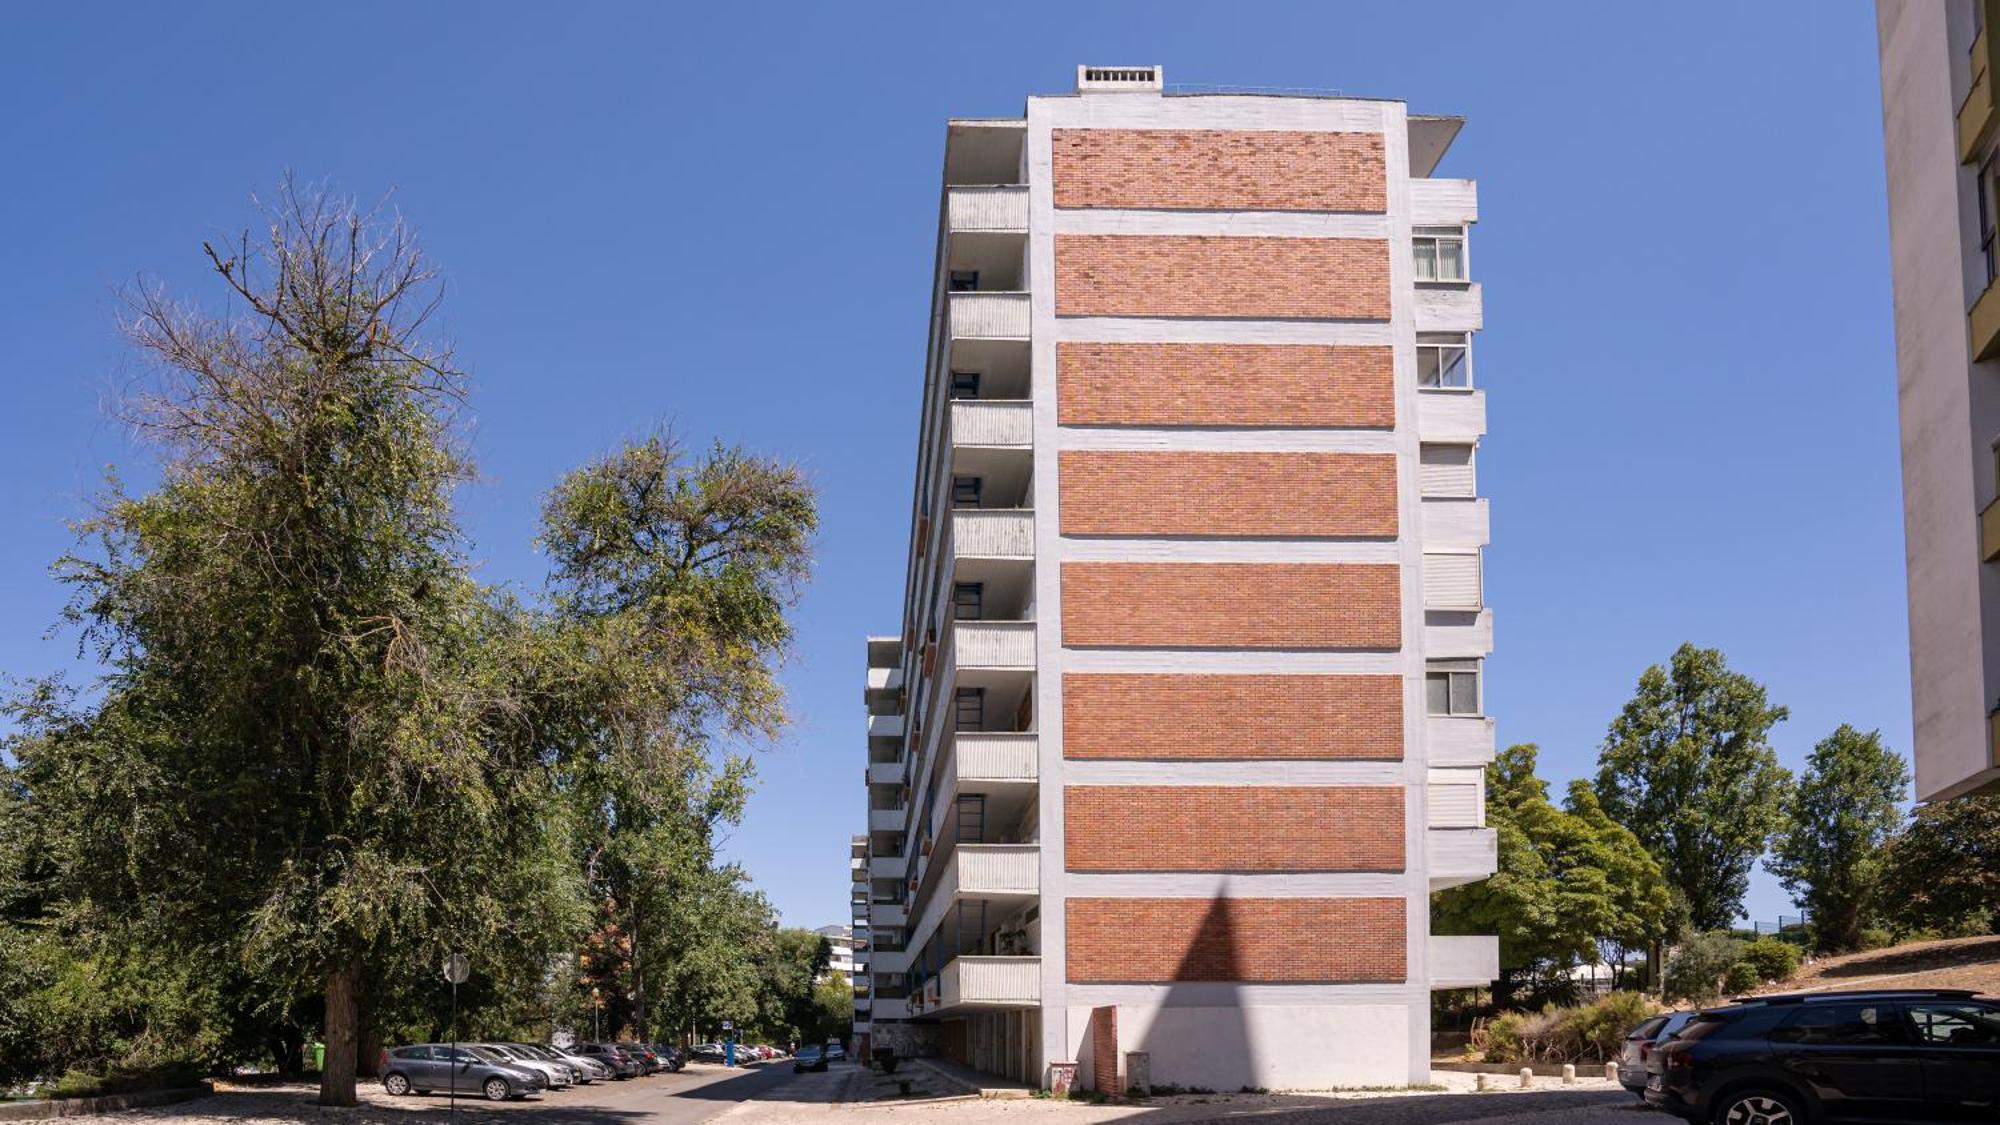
(583,1071)
(557,1075)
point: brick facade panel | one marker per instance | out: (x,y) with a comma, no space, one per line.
(1253,940)
(1217,276)
(1225,385)
(1220,170)
(1261,828)
(1231,605)
(1191,717)
(1282,495)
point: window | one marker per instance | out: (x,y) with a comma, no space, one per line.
(964,281)
(1989,212)
(1838,1024)
(1444,360)
(1451,687)
(965,384)
(967,600)
(965,492)
(1440,253)
(1446,470)
(1956,1023)
(968,708)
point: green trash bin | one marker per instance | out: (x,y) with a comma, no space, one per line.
(319,1056)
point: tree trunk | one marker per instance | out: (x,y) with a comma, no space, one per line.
(336,1072)
(638,973)
(368,1055)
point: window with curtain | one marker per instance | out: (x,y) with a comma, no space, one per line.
(1440,253)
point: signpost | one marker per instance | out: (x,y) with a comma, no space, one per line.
(457,967)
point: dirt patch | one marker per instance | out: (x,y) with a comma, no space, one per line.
(1953,963)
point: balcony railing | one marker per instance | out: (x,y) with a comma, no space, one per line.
(996,870)
(1989,532)
(1470,640)
(1461,855)
(888,820)
(1451,417)
(886,773)
(997,756)
(1456,740)
(885,726)
(994,644)
(884,679)
(1464,962)
(990,982)
(993,422)
(995,533)
(989,316)
(988,208)
(888,866)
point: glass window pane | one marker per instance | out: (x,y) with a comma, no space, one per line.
(1426,259)
(1437,694)
(1451,259)
(1428,366)
(1464,693)
(1455,372)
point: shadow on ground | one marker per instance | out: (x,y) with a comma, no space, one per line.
(1409,1109)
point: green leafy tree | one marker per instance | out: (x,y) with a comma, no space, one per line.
(1943,870)
(1844,809)
(1697,967)
(1569,884)
(1688,767)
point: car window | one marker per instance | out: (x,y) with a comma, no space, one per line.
(1648,1029)
(1958,1024)
(452,1055)
(411,1052)
(1842,1024)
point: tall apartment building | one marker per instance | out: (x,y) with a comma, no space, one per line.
(1939,117)
(841,940)
(1184,722)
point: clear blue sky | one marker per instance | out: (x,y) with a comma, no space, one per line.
(723,216)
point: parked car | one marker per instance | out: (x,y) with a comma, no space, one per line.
(1641,1043)
(559,1076)
(580,1072)
(429,1067)
(707,1052)
(670,1057)
(834,1049)
(648,1058)
(588,1070)
(1883,1055)
(622,1065)
(810,1057)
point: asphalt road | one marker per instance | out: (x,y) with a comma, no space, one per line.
(696,1094)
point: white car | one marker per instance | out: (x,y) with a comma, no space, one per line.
(583,1070)
(557,1074)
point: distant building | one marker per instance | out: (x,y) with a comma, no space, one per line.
(1939,117)
(1184,721)
(841,938)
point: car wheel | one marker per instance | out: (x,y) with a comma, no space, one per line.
(396,1084)
(495,1089)
(1759,1107)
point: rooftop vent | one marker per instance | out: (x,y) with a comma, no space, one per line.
(1106,79)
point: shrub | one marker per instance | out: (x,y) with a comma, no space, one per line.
(1876,937)
(1741,978)
(1590,1031)
(1696,969)
(1771,958)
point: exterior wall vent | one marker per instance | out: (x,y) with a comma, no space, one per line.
(1118,79)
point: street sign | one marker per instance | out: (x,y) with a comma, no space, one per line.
(728,1025)
(457,968)
(563,1039)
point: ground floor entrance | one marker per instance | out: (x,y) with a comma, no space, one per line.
(1007,1044)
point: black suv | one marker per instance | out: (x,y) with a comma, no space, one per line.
(1926,1055)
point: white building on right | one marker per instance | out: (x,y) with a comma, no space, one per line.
(1942,148)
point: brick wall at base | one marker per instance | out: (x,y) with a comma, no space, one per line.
(1231,605)
(1260,828)
(1274,940)
(1104,1076)
(1194,716)
(1350,385)
(1279,495)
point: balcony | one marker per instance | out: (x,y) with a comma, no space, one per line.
(1443,203)
(888,866)
(1465,636)
(892,1009)
(887,773)
(1002,645)
(989,316)
(1976,112)
(1989,532)
(1458,741)
(1451,417)
(885,726)
(1461,855)
(986,759)
(1460,524)
(975,984)
(858,868)
(1449,307)
(1001,208)
(996,533)
(885,679)
(887,915)
(989,423)
(995,870)
(889,820)
(890,963)
(1464,962)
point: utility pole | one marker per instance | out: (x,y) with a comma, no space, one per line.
(457,967)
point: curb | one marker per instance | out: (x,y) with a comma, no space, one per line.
(110,1103)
